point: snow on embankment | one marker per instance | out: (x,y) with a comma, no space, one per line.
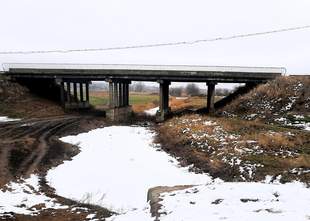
(285,100)
(6,119)
(237,201)
(152,112)
(22,198)
(116,167)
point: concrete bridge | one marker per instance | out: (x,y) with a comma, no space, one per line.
(73,81)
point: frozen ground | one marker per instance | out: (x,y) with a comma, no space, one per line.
(116,167)
(238,201)
(297,121)
(22,197)
(152,112)
(6,119)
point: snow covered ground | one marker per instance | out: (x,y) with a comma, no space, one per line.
(297,122)
(21,198)
(116,167)
(151,112)
(238,201)
(6,119)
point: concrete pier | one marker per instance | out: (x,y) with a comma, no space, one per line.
(164,108)
(210,97)
(73,101)
(119,108)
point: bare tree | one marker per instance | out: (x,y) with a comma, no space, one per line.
(138,87)
(192,90)
(176,91)
(222,92)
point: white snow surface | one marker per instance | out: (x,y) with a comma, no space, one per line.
(6,119)
(238,201)
(181,98)
(22,196)
(151,112)
(116,167)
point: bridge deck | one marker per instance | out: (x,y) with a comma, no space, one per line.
(176,73)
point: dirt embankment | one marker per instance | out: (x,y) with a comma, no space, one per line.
(17,101)
(31,145)
(248,139)
(283,97)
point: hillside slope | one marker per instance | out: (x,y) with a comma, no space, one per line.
(262,133)
(285,100)
(17,101)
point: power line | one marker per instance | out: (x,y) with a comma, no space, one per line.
(158,44)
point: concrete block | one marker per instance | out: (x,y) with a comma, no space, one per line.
(119,114)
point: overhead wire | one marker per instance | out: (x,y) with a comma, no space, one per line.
(223,38)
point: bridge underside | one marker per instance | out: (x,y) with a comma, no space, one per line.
(73,81)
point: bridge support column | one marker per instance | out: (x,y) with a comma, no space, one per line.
(210,97)
(119,108)
(62,93)
(68,92)
(75,92)
(73,101)
(81,92)
(87,91)
(164,109)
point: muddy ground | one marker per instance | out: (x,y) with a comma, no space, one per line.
(32,146)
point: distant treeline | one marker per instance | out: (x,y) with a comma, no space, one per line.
(188,90)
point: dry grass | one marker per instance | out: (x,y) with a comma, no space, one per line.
(276,140)
(145,101)
(254,143)
(272,97)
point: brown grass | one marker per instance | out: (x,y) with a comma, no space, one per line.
(276,140)
(276,92)
(283,148)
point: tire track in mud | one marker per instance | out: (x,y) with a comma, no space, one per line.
(33,146)
(27,142)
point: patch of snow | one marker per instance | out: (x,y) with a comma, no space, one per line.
(299,117)
(238,201)
(135,215)
(299,124)
(151,112)
(6,119)
(251,116)
(209,123)
(21,198)
(181,98)
(90,216)
(299,171)
(116,167)
(290,104)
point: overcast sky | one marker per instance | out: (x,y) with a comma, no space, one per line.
(75,24)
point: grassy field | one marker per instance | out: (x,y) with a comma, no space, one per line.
(98,98)
(144,101)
